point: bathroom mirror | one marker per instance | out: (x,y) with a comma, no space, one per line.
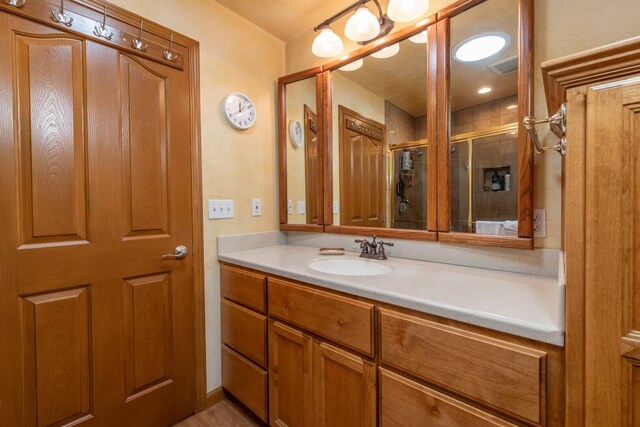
(299,151)
(380,148)
(488,91)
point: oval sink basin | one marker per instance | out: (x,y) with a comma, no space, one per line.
(349,267)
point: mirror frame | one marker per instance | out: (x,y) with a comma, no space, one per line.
(438,130)
(282,148)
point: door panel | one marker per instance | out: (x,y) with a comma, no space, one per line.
(57,347)
(108,326)
(50,82)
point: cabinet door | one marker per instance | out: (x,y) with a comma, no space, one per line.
(290,359)
(344,388)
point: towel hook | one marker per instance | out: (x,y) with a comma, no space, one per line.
(16,3)
(558,125)
(101,30)
(60,17)
(137,43)
(169,55)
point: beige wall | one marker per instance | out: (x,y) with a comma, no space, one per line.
(561,28)
(234,56)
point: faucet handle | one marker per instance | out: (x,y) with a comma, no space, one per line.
(381,243)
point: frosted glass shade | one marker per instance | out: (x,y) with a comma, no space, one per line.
(419,38)
(407,10)
(327,44)
(387,52)
(355,65)
(362,26)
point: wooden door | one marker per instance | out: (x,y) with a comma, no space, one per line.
(311,164)
(362,170)
(344,388)
(603,254)
(95,186)
(290,364)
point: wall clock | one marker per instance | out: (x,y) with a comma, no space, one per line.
(295,133)
(239,111)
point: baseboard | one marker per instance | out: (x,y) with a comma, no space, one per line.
(215,396)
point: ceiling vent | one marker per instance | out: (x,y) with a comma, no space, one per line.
(506,66)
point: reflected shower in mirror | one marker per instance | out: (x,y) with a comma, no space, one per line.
(484,115)
(379,138)
(302,152)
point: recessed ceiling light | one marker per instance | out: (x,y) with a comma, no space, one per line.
(481,47)
(419,38)
(484,90)
(352,66)
(387,52)
(512,107)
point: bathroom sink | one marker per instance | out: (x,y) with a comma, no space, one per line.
(349,267)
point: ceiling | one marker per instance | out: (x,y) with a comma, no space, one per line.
(286,19)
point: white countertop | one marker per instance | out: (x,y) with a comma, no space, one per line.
(520,304)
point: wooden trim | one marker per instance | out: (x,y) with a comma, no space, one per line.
(388,40)
(487,240)
(457,8)
(432,128)
(122,23)
(321,153)
(300,75)
(215,396)
(198,232)
(525,108)
(397,233)
(315,228)
(327,147)
(282,151)
(596,65)
(443,125)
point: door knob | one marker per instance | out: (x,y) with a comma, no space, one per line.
(180,252)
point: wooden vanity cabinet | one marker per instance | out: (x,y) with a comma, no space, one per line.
(336,360)
(244,337)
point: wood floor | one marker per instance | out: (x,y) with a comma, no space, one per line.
(223,414)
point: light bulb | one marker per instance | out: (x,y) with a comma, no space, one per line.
(352,66)
(419,38)
(407,10)
(327,44)
(362,25)
(387,52)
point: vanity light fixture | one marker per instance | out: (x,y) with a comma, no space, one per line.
(386,52)
(419,38)
(484,90)
(481,47)
(352,66)
(363,26)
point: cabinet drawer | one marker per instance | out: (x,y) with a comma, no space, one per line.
(497,373)
(407,403)
(245,331)
(343,320)
(244,287)
(245,381)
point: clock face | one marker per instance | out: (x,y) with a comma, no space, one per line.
(239,111)
(295,133)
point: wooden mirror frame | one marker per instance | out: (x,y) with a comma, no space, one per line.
(282,148)
(438,130)
(524,240)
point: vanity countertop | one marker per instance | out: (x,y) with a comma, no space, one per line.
(519,304)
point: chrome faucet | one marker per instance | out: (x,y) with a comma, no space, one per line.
(373,249)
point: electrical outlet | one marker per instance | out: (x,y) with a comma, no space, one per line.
(256,207)
(336,207)
(290,207)
(539,223)
(302,207)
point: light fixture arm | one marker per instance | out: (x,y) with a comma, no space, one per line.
(386,24)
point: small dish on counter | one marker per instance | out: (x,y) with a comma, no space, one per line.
(331,251)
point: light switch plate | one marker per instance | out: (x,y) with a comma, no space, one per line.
(539,223)
(290,207)
(302,207)
(227,209)
(336,207)
(220,209)
(256,207)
